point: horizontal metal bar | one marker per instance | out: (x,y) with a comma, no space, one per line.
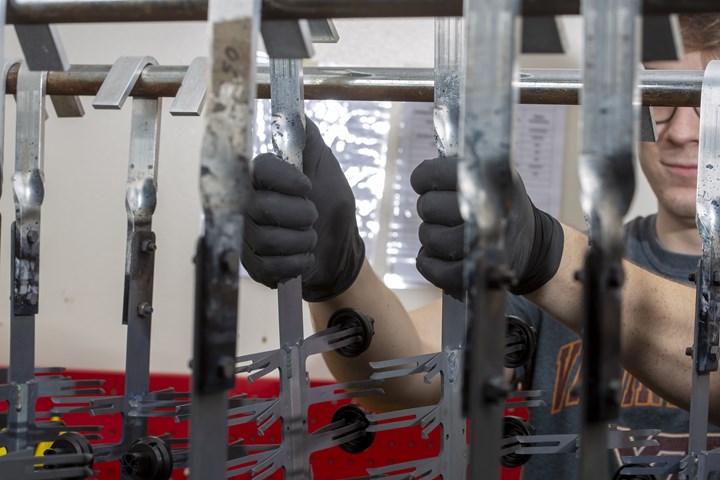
(537,86)
(81,11)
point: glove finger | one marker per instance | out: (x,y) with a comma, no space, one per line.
(278,241)
(269,270)
(435,174)
(277,209)
(440,207)
(442,242)
(447,275)
(271,172)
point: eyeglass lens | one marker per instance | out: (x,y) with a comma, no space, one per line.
(665,114)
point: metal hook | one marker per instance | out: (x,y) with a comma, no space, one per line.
(120,81)
(190,98)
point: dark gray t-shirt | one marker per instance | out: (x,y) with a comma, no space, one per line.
(557,371)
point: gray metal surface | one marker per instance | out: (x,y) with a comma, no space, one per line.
(28,189)
(120,81)
(323,31)
(609,122)
(288,138)
(446,121)
(287,38)
(707,315)
(43,50)
(190,97)
(485,181)
(75,11)
(224,189)
(662,39)
(536,86)
(542,35)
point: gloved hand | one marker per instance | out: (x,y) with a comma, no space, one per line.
(534,239)
(303,223)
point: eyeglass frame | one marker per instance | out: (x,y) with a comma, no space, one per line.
(672,115)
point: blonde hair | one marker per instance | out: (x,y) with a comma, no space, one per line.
(701,32)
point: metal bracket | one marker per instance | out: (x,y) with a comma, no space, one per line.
(323,31)
(43,51)
(662,39)
(543,35)
(287,38)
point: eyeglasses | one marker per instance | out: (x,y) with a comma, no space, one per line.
(665,114)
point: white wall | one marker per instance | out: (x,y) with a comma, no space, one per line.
(84,220)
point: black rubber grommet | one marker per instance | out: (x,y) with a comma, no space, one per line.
(149,458)
(513,427)
(348,318)
(516,326)
(355,414)
(70,443)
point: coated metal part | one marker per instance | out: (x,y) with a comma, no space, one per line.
(542,35)
(43,50)
(536,86)
(224,190)
(323,31)
(190,97)
(485,183)
(707,315)
(28,189)
(661,38)
(607,184)
(287,38)
(78,11)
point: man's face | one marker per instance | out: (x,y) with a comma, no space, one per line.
(670,164)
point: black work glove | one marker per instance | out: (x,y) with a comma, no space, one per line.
(534,239)
(303,223)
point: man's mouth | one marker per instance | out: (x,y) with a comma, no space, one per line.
(682,170)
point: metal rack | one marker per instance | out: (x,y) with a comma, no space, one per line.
(233,84)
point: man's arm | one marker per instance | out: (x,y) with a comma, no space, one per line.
(657,323)
(398,334)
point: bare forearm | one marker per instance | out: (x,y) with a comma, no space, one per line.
(657,323)
(396,336)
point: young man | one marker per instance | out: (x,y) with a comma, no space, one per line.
(305,224)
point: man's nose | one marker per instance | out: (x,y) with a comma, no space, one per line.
(684,127)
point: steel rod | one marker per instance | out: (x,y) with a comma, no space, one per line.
(537,86)
(80,11)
